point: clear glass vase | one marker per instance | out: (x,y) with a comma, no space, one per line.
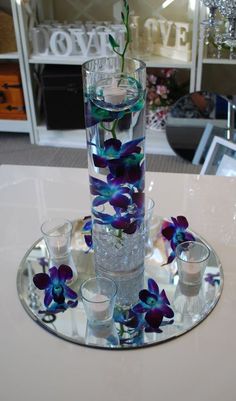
(114,93)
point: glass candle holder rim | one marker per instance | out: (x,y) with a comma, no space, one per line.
(53,234)
(177,251)
(142,64)
(151,200)
(96,278)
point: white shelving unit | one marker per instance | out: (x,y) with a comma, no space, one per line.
(203,58)
(156,139)
(17,125)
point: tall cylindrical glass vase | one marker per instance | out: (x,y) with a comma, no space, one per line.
(114,94)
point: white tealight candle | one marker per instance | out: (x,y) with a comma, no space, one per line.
(191,273)
(114,94)
(100,307)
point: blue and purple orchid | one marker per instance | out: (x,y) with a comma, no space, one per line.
(155,305)
(56,289)
(176,232)
(149,314)
(113,150)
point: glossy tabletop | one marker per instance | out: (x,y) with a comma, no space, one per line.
(35,365)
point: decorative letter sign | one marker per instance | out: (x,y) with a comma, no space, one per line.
(161,37)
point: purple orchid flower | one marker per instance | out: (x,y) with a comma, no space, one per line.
(155,305)
(113,149)
(128,170)
(116,195)
(95,115)
(213,279)
(118,221)
(87,232)
(176,233)
(55,287)
(57,308)
(128,221)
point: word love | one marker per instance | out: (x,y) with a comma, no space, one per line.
(168,38)
(69,41)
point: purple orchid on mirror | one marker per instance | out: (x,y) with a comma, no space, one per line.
(176,232)
(56,290)
(213,279)
(149,315)
(155,305)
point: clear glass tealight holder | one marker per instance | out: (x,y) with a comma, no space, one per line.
(57,233)
(192,257)
(98,296)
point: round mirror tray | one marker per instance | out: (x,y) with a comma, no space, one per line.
(190,305)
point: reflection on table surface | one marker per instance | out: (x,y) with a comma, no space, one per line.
(195,119)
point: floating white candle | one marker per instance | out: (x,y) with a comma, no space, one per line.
(100,307)
(114,94)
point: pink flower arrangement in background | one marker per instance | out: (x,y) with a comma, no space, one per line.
(162,91)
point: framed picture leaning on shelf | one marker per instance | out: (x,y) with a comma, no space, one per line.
(221,158)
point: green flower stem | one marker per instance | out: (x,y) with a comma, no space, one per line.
(113,130)
(125,19)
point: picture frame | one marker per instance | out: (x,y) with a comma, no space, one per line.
(209,133)
(215,163)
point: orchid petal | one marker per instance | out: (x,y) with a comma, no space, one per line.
(163,298)
(153,287)
(138,199)
(41,281)
(168,232)
(112,143)
(54,274)
(99,161)
(140,308)
(145,296)
(131,228)
(131,147)
(154,318)
(182,222)
(120,201)
(88,240)
(99,200)
(48,297)
(69,293)
(65,273)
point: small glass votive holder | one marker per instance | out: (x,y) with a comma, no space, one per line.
(192,257)
(98,296)
(57,233)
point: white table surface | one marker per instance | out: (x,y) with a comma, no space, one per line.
(37,366)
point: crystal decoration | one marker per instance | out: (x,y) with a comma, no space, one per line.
(227,9)
(212,5)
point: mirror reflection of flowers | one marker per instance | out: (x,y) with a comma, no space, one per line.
(213,279)
(162,91)
(56,289)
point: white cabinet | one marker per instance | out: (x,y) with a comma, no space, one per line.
(17,125)
(185,11)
